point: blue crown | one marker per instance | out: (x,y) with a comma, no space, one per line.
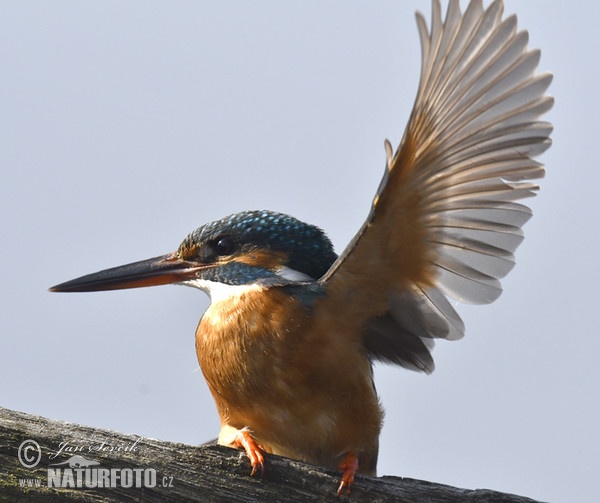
(306,246)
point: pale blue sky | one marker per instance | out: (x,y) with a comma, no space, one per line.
(125,125)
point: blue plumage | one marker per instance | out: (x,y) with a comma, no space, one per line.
(306,246)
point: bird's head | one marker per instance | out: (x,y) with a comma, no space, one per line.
(249,248)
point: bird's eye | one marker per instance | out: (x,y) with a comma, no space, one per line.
(225,246)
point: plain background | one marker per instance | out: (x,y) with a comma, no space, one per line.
(124,125)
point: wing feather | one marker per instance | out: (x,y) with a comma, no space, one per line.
(446,220)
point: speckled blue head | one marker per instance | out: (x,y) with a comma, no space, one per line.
(297,245)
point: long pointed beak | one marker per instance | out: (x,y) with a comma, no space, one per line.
(155,271)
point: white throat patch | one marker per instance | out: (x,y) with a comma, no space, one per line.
(219,292)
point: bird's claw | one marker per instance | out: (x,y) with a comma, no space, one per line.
(254,451)
(349,466)
(260,466)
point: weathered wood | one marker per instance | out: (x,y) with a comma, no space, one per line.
(184,473)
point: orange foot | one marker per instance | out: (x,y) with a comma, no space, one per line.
(254,451)
(349,466)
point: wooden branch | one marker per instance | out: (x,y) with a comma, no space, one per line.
(183,473)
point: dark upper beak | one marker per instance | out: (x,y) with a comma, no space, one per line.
(155,271)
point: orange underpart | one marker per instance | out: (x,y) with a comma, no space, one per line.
(254,451)
(349,466)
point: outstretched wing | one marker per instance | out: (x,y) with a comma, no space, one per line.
(445,221)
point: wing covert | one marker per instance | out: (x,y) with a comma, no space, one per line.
(446,220)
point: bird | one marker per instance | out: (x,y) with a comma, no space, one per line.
(288,343)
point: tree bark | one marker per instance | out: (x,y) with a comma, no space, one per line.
(183,473)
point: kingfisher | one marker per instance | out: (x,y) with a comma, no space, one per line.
(288,343)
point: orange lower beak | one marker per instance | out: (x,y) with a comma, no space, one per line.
(161,270)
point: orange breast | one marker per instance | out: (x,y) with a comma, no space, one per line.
(302,385)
